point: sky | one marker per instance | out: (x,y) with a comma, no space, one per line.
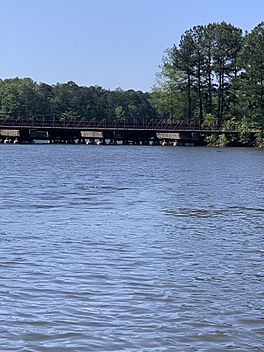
(110,43)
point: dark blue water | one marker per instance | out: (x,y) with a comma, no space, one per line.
(123,248)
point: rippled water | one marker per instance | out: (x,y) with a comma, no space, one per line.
(123,248)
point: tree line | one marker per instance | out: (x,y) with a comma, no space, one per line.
(24,97)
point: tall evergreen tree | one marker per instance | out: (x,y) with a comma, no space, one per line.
(207,62)
(227,41)
(252,77)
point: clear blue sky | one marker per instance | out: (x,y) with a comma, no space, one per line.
(111,43)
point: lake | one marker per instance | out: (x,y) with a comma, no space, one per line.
(131,248)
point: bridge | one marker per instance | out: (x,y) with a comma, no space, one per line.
(58,129)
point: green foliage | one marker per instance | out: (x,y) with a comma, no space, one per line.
(259,139)
(119,112)
(168,101)
(208,121)
(18,96)
(215,140)
(252,77)
(24,97)
(245,136)
(230,125)
(223,140)
(211,140)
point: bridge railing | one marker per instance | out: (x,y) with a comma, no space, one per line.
(54,121)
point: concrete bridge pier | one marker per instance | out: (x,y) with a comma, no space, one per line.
(93,137)
(14,136)
(180,138)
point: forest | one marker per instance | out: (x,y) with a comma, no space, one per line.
(24,97)
(214,76)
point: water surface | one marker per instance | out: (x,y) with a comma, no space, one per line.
(131,248)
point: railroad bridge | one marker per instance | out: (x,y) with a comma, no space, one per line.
(57,129)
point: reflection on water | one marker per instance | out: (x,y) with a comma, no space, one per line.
(131,249)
